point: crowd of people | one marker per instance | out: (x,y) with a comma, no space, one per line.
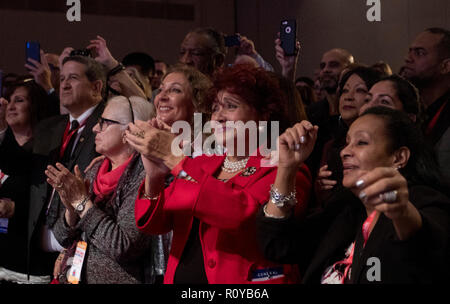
(97,188)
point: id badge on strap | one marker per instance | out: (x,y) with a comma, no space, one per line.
(77,264)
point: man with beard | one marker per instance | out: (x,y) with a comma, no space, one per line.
(427,66)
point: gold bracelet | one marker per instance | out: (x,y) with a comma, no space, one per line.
(146,196)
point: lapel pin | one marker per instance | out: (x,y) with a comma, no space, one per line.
(248,171)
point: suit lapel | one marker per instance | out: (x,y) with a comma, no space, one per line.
(86,135)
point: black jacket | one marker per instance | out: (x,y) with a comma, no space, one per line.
(321,240)
(15,161)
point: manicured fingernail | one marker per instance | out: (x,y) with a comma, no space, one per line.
(302,139)
(362,195)
(359,183)
(297,146)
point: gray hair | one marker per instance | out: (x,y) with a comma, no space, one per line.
(142,108)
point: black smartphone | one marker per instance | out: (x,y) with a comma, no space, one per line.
(33,51)
(232,40)
(288,36)
(81,52)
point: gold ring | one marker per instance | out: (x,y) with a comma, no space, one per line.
(139,134)
(59,186)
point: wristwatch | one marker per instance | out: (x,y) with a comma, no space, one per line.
(81,205)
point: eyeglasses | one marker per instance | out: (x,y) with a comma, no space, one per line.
(101,121)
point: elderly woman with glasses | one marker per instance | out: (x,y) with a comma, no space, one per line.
(97,228)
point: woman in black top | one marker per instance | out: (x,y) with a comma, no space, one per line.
(395,229)
(25,104)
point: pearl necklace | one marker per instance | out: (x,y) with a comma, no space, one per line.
(232,167)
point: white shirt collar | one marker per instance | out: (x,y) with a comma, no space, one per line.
(83,116)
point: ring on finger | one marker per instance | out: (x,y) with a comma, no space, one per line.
(59,186)
(389,197)
(139,134)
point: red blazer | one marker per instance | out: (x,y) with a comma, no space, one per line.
(226,212)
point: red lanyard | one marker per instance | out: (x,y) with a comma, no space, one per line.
(1,177)
(67,136)
(366,233)
(434,120)
(366,226)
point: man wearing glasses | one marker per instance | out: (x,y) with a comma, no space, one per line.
(67,139)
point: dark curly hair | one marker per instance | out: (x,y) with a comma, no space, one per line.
(256,87)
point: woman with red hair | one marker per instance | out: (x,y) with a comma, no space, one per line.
(212,203)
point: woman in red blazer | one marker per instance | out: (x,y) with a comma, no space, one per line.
(212,203)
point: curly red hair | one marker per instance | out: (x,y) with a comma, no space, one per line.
(254,86)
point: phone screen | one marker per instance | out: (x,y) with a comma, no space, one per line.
(32,50)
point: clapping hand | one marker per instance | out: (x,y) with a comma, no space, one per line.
(296,144)
(71,187)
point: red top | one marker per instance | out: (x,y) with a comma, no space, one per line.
(227,214)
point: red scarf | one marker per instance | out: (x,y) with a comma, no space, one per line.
(106,180)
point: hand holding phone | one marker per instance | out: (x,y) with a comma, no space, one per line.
(288,36)
(33,51)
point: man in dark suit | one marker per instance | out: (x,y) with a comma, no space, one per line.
(427,66)
(67,139)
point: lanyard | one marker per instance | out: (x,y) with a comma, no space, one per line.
(366,233)
(3,177)
(67,136)
(432,123)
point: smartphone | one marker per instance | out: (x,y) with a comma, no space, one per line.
(232,40)
(288,36)
(33,51)
(81,52)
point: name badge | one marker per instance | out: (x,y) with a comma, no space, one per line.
(265,274)
(77,264)
(4,225)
